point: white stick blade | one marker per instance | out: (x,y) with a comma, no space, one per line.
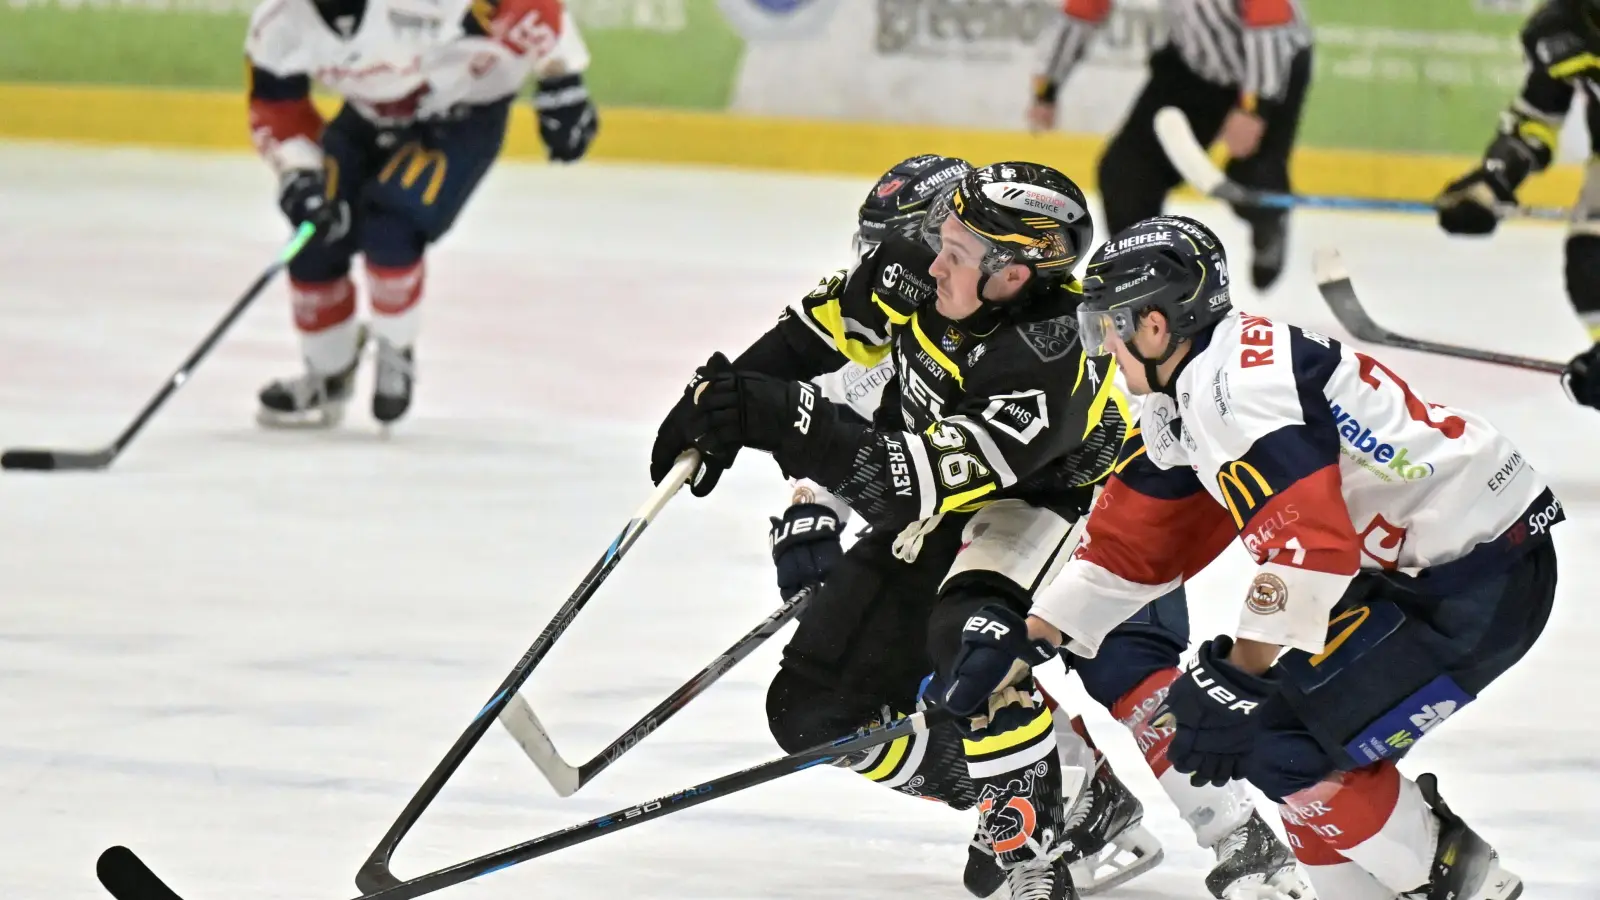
(1327,266)
(518,718)
(1187,156)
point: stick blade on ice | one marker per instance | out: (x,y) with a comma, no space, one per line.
(518,718)
(1333,280)
(128,878)
(53,460)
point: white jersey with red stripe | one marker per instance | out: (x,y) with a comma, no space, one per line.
(1319,458)
(399,60)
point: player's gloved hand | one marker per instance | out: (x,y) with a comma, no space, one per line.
(303,197)
(568,121)
(1581,378)
(1216,709)
(995,654)
(676,434)
(748,409)
(1467,205)
(805,546)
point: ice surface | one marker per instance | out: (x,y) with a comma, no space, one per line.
(239,652)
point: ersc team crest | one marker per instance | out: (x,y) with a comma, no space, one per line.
(777,19)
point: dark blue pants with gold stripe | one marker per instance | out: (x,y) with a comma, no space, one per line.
(405,186)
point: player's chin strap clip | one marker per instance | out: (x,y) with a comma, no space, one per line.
(908,543)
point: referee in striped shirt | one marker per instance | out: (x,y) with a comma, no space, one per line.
(1238,68)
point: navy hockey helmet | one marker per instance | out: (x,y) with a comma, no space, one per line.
(1172,264)
(1024,213)
(899,201)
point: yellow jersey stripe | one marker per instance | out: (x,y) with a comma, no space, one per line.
(937,355)
(829,315)
(1016,737)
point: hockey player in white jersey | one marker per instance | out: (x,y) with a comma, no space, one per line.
(1404,556)
(427,88)
(1131,678)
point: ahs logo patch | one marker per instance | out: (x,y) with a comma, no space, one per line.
(1052,338)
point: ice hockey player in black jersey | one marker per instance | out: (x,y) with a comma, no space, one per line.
(1130,676)
(1560,41)
(993,412)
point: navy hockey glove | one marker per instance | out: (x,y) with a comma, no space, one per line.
(568,121)
(1216,710)
(805,546)
(303,197)
(1580,379)
(676,434)
(995,654)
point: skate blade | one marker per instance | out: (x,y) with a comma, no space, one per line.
(1129,855)
(320,419)
(1499,885)
(1285,884)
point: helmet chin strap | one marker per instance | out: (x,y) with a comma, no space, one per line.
(1152,374)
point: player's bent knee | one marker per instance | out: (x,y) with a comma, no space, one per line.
(959,598)
(802,713)
(1285,762)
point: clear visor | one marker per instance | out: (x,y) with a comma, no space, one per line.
(987,255)
(860,246)
(1103,330)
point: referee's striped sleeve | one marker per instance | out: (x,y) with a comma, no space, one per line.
(1079,20)
(1272,33)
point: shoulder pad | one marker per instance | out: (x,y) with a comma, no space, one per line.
(899,273)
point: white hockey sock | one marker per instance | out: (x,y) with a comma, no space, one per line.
(1213,812)
(396,293)
(325,316)
(1374,817)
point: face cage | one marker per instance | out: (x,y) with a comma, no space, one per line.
(995,256)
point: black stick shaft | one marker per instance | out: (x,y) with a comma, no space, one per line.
(694,687)
(374,873)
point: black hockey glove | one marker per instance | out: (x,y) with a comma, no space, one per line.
(1216,709)
(1581,378)
(995,654)
(805,546)
(676,434)
(789,419)
(303,197)
(568,121)
(1468,204)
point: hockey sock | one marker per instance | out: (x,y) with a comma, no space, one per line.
(928,765)
(1374,817)
(1331,873)
(325,315)
(396,292)
(1014,760)
(1212,812)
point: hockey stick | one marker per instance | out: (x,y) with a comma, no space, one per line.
(1195,165)
(1334,283)
(48,460)
(128,878)
(519,719)
(374,873)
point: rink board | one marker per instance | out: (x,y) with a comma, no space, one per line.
(215,120)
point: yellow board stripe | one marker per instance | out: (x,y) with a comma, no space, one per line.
(891,759)
(215,119)
(1016,737)
(944,362)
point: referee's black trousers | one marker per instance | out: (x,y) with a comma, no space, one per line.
(1135,174)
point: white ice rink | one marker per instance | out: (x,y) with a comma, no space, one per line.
(240,652)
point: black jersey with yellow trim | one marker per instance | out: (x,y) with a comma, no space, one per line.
(1013,409)
(1563,56)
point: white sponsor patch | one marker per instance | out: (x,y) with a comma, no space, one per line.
(1027,198)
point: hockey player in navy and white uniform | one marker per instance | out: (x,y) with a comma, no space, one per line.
(1130,678)
(427,88)
(1404,556)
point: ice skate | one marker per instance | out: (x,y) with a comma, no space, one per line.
(1465,867)
(307,401)
(1109,843)
(391,394)
(1252,864)
(1270,241)
(1041,880)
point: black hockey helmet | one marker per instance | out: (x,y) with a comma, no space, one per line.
(899,201)
(1173,264)
(1024,213)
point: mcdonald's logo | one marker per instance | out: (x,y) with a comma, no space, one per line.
(1241,494)
(1360,614)
(417,161)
